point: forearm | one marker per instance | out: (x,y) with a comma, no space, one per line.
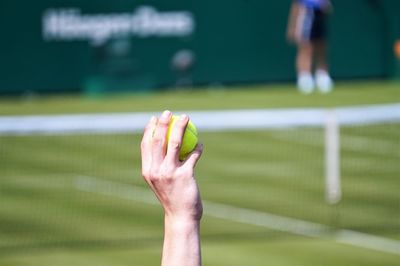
(173,182)
(181,243)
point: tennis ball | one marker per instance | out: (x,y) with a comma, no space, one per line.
(190,139)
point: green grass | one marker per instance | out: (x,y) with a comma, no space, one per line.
(46,220)
(271,96)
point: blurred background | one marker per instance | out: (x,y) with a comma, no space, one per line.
(287,178)
(70,46)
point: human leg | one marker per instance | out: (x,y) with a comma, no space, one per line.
(305,81)
(322,78)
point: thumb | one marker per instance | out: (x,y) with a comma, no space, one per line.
(192,159)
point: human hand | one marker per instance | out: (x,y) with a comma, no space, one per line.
(171,180)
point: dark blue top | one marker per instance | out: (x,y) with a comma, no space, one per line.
(318,4)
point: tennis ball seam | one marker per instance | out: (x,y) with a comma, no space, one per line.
(189,139)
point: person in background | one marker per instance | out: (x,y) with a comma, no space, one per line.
(307,29)
(173,183)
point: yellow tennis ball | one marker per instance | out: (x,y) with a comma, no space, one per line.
(190,139)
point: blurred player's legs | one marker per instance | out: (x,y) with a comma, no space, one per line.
(307,30)
(305,80)
(322,78)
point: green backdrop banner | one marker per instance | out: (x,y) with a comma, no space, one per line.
(98,45)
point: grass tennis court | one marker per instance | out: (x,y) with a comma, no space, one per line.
(47,217)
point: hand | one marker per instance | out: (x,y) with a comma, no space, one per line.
(171,180)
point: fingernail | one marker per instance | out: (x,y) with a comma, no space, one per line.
(152,119)
(166,114)
(183,117)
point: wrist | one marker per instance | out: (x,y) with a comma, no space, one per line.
(181,223)
(184,216)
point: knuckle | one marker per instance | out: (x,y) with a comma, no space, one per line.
(145,173)
(157,140)
(175,144)
(163,123)
(154,175)
(164,175)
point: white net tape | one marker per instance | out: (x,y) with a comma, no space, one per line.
(204,120)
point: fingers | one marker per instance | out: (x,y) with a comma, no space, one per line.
(194,156)
(154,146)
(175,139)
(148,134)
(146,145)
(159,142)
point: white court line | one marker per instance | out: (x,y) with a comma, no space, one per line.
(247,216)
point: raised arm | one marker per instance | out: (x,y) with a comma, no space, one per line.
(173,183)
